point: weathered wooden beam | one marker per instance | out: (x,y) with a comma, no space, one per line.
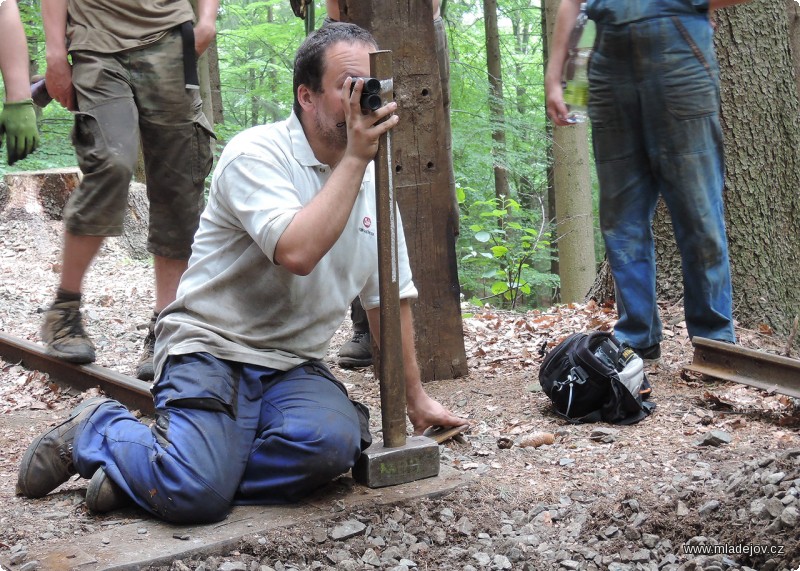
(421,174)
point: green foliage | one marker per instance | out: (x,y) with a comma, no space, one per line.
(257,42)
(499,246)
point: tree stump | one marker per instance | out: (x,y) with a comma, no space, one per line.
(43,194)
(39,192)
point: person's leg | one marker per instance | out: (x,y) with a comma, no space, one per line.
(693,171)
(628,190)
(106,140)
(77,256)
(187,467)
(168,276)
(176,144)
(358,351)
(62,328)
(309,433)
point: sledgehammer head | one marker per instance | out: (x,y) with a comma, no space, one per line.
(379,466)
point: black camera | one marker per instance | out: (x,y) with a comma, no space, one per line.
(370,93)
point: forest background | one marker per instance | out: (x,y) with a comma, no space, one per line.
(508,233)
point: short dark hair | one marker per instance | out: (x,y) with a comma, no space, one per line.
(309,63)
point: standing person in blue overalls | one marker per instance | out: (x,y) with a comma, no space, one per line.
(654,107)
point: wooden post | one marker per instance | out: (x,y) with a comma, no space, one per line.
(420,170)
(393,394)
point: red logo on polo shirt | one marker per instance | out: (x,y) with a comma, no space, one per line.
(367,222)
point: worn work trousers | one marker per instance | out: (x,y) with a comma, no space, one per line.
(127,99)
(225,433)
(654,107)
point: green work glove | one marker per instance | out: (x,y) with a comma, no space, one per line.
(18,125)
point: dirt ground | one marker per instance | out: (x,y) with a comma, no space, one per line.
(612,491)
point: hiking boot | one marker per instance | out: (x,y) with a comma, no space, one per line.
(357,352)
(48,461)
(63,333)
(144,370)
(103,495)
(649,354)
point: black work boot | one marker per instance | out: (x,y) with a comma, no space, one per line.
(48,461)
(649,354)
(63,334)
(103,495)
(144,370)
(357,352)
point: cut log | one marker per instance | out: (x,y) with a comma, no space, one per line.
(40,192)
(43,194)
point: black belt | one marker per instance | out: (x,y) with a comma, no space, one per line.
(189,57)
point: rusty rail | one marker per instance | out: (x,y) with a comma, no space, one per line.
(766,371)
(133,393)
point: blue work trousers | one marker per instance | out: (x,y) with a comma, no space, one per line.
(654,107)
(225,433)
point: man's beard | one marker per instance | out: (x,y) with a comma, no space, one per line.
(336,136)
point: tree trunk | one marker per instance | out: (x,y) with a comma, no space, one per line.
(551,188)
(761,123)
(793,15)
(573,194)
(421,177)
(495,71)
(216,84)
(669,283)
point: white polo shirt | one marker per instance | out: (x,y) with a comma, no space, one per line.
(234,301)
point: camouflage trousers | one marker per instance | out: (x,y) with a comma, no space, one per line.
(125,98)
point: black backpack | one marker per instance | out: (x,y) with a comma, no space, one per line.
(592,377)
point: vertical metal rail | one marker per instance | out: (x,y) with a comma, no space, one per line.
(392,379)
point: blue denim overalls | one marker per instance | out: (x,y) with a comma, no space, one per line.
(654,107)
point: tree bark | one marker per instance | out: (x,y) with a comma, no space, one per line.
(761,124)
(573,196)
(793,16)
(551,187)
(217,107)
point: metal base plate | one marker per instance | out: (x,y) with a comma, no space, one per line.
(379,466)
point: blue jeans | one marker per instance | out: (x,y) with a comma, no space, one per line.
(225,433)
(654,108)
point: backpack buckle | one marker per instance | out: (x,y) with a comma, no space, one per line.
(577,375)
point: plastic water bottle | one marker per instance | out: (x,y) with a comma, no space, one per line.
(576,68)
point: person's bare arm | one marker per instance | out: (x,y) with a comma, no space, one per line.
(59,71)
(554,93)
(423,411)
(13,53)
(315,229)
(206,27)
